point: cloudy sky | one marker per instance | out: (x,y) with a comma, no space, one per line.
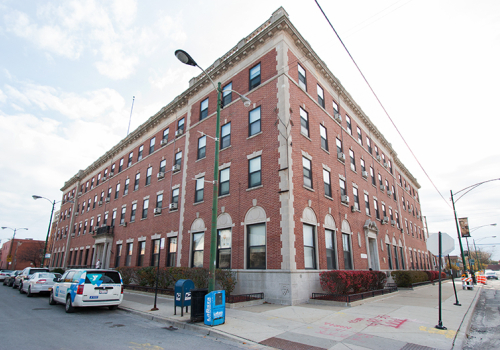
(69,70)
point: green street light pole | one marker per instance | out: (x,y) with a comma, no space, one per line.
(185,58)
(12,243)
(35,197)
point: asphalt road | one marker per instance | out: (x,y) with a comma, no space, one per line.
(31,323)
(485,327)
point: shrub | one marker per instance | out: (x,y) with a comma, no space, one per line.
(226,280)
(406,278)
(146,276)
(128,274)
(58,270)
(351,282)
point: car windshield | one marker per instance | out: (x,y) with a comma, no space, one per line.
(32,271)
(46,275)
(99,277)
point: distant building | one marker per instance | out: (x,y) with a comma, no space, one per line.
(53,231)
(24,253)
(307,181)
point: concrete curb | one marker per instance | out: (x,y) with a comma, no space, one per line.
(202,330)
(461,334)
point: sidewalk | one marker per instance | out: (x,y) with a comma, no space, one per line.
(401,320)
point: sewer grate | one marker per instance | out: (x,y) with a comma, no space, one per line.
(42,308)
(117,325)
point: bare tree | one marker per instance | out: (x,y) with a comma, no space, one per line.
(31,252)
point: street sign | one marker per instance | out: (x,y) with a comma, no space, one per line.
(447,244)
(471,261)
(9,258)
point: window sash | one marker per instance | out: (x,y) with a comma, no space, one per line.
(304,122)
(254,172)
(198,247)
(324,137)
(204,109)
(200,185)
(309,247)
(254,77)
(224,182)
(202,146)
(256,255)
(225,136)
(321,96)
(254,121)
(346,247)
(326,181)
(306,164)
(302,77)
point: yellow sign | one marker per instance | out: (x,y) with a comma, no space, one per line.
(9,258)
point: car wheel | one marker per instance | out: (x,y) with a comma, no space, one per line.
(21,289)
(113,307)
(69,305)
(14,285)
(29,295)
(51,299)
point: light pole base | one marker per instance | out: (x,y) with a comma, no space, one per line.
(154,309)
(440,327)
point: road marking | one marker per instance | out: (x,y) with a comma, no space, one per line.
(447,333)
(146,346)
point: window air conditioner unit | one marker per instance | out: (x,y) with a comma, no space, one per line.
(385,220)
(172,206)
(163,142)
(389,193)
(402,230)
(176,167)
(378,157)
(341,156)
(100,203)
(124,224)
(178,133)
(418,216)
(111,173)
(76,214)
(364,174)
(344,199)
(385,164)
(68,216)
(160,175)
(95,228)
(354,208)
(157,211)
(338,117)
(104,178)
(382,187)
(107,199)
(80,193)
(393,222)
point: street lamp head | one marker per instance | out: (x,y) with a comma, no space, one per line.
(35,197)
(184,57)
(493,224)
(3,227)
(246,101)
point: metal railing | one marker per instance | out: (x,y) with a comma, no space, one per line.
(165,291)
(243,297)
(349,298)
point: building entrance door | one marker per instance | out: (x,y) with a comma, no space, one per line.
(374,263)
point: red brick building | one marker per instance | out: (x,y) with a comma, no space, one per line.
(25,252)
(307,181)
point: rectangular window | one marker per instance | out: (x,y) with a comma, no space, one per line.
(376,150)
(346,246)
(118,255)
(155,256)
(95,201)
(304,122)
(98,179)
(393,193)
(175,195)
(306,166)
(339,145)
(384,213)
(335,107)
(159,200)
(117,191)
(132,212)
(204,109)
(113,169)
(202,147)
(389,257)
(163,165)
(92,184)
(356,198)
(172,251)
(372,174)
(136,182)
(125,188)
(321,96)
(326,181)
(113,218)
(256,246)
(120,166)
(302,77)
(149,172)
(178,158)
(227,95)
(139,153)
(180,125)
(324,137)
(348,124)
(142,252)
(200,185)
(254,77)
(90,201)
(165,135)
(402,258)
(331,254)
(390,215)
(254,121)
(145,206)
(224,248)
(367,204)
(225,136)
(397,221)
(353,161)
(197,253)
(360,137)
(152,145)
(130,156)
(128,258)
(254,172)
(396,260)
(375,206)
(362,163)
(343,189)
(122,216)
(224,182)
(309,247)
(369,145)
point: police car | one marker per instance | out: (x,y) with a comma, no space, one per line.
(87,287)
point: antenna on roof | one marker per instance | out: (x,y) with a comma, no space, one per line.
(130,119)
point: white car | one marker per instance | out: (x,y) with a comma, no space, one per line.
(87,287)
(38,282)
(490,274)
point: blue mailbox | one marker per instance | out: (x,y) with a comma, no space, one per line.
(215,308)
(182,292)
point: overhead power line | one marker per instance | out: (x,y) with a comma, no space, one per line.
(380,102)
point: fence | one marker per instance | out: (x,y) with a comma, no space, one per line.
(349,298)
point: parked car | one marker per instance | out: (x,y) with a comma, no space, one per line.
(490,274)
(9,280)
(4,273)
(18,281)
(87,287)
(38,282)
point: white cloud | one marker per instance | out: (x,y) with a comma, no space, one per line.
(3,97)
